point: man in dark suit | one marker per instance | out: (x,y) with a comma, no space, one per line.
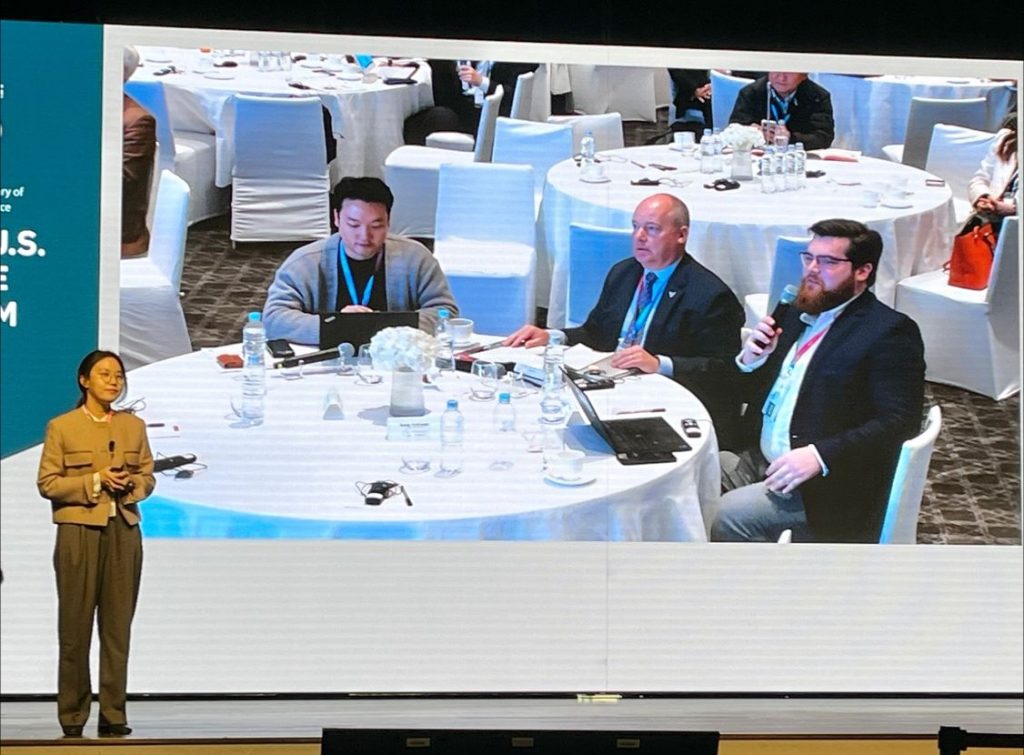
(832,389)
(663,312)
(458,93)
(800,108)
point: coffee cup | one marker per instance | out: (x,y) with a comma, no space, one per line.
(566,464)
(461,329)
(683,140)
(869,198)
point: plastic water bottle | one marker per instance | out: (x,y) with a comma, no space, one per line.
(716,140)
(792,181)
(801,165)
(445,354)
(552,405)
(588,147)
(452,432)
(767,177)
(779,170)
(503,424)
(707,153)
(254,370)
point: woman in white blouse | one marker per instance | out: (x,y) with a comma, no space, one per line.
(995,188)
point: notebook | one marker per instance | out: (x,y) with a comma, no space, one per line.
(358,328)
(640,440)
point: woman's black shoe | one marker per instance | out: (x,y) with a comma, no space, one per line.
(113,730)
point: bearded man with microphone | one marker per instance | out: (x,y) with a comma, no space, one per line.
(834,384)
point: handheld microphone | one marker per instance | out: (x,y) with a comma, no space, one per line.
(788,297)
(316,356)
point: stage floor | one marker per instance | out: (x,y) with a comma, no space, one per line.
(292,720)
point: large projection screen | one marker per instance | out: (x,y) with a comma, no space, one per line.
(336,616)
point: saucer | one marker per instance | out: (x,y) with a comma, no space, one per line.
(349,76)
(583,479)
(307,63)
(220,75)
(595,180)
(161,59)
(896,204)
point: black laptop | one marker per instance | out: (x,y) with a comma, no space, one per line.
(358,328)
(639,440)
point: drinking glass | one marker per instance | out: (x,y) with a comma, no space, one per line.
(487,376)
(365,370)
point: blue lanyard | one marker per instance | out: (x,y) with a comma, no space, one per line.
(350,282)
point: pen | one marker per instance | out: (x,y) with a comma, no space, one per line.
(641,411)
(154,424)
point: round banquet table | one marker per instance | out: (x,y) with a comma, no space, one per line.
(734,232)
(871,112)
(366,117)
(294,476)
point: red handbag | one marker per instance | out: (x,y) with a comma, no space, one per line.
(971,262)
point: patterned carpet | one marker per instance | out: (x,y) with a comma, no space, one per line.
(973,493)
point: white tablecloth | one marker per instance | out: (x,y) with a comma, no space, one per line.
(872,112)
(295,475)
(366,117)
(734,232)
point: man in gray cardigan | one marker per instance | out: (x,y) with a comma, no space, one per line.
(361,268)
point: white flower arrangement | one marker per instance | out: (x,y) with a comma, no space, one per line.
(403,348)
(742,138)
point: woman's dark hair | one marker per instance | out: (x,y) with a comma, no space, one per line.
(85,369)
(1008,145)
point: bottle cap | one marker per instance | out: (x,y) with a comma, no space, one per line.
(453,403)
(254,317)
(504,398)
(443,312)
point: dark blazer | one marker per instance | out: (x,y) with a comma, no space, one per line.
(685,81)
(139,150)
(697,324)
(448,88)
(861,397)
(810,121)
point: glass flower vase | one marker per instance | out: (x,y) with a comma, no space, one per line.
(407,393)
(742,165)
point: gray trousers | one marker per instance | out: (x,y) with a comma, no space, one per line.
(98,573)
(749,511)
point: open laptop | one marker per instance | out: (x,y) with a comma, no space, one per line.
(358,328)
(640,440)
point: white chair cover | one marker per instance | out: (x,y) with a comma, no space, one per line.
(189,154)
(411,171)
(152,322)
(542,91)
(488,254)
(954,155)
(724,88)
(629,90)
(539,145)
(606,129)
(522,99)
(900,524)
(924,113)
(592,252)
(280,179)
(787,269)
(971,337)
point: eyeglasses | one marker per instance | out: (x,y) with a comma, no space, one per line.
(110,377)
(825,262)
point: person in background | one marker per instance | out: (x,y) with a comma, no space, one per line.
(994,190)
(361,268)
(661,311)
(138,129)
(691,96)
(832,390)
(459,89)
(800,108)
(95,468)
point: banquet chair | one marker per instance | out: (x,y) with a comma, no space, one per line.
(592,252)
(280,181)
(724,89)
(787,269)
(522,98)
(541,107)
(971,337)
(539,145)
(488,257)
(152,322)
(606,129)
(954,155)
(924,113)
(411,170)
(189,154)
(630,90)
(785,537)
(904,504)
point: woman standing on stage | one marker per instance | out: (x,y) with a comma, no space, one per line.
(95,468)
